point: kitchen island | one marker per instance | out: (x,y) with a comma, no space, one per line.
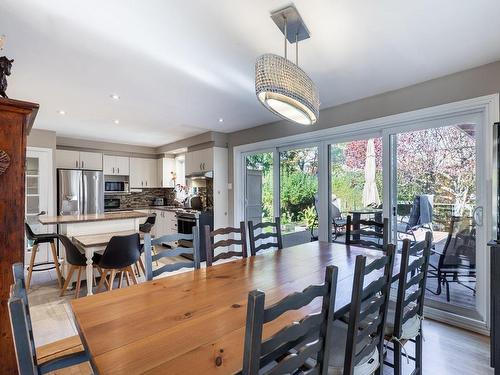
(92,224)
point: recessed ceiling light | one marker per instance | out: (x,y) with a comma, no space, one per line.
(221,119)
(61,112)
(115,96)
(116,122)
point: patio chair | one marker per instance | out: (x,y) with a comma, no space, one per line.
(338,222)
(420,217)
(457,261)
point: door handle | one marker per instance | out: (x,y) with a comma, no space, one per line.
(477,216)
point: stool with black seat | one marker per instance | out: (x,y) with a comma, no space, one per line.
(119,256)
(76,260)
(37,240)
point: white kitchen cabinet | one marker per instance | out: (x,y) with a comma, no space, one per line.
(122,165)
(166,172)
(166,223)
(116,165)
(70,159)
(199,161)
(67,159)
(143,173)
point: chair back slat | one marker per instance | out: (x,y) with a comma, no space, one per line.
(294,301)
(310,337)
(412,281)
(368,309)
(367,233)
(294,361)
(264,235)
(149,243)
(292,332)
(255,237)
(211,244)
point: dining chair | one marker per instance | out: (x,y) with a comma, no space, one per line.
(457,260)
(358,347)
(265,233)
(367,233)
(405,315)
(121,253)
(60,356)
(148,224)
(211,244)
(169,253)
(76,261)
(297,346)
(49,238)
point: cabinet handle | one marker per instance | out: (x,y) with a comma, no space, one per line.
(113,170)
(82,164)
(142,183)
(146,183)
(76,164)
(118,170)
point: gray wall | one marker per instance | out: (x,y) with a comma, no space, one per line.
(483,80)
(105,147)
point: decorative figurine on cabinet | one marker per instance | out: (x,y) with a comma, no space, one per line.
(5,66)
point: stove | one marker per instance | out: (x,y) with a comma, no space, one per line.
(186,220)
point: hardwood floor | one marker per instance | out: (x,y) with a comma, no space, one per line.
(447,350)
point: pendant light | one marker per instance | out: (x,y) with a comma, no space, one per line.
(280,85)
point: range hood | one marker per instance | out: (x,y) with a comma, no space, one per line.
(200,175)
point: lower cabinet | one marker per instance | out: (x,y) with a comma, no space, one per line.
(166,223)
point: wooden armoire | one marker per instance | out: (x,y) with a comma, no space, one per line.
(16,120)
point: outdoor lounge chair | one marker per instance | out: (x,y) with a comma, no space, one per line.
(421,213)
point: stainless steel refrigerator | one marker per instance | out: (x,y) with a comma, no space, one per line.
(80,192)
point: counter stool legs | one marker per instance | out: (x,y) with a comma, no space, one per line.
(34,250)
(56,263)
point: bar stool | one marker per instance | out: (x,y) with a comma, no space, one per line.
(37,240)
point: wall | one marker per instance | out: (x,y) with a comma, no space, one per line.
(106,147)
(483,80)
(208,139)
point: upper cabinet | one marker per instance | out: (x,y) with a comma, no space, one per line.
(116,165)
(143,173)
(78,160)
(166,172)
(199,161)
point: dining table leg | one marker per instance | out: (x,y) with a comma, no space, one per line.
(89,253)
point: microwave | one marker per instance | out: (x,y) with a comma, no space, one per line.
(114,187)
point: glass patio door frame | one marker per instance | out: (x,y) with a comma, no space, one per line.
(484,157)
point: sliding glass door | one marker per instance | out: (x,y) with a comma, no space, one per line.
(436,188)
(259,190)
(298,194)
(356,183)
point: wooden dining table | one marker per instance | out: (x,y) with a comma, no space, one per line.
(194,322)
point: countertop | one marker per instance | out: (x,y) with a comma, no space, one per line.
(161,208)
(71,219)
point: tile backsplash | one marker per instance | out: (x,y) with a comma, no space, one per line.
(145,197)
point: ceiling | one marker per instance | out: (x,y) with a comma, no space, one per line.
(180,66)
